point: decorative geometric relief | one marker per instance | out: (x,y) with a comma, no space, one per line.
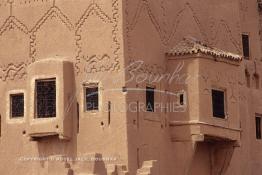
(13,71)
(187,24)
(53,36)
(30,10)
(206,78)
(95,34)
(14,42)
(4,10)
(98,63)
(141,67)
(14,50)
(144,39)
(222,37)
(143,9)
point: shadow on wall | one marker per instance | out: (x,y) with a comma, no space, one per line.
(93,164)
(212,158)
(99,166)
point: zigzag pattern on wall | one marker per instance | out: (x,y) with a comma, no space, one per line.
(32,1)
(214,40)
(94,9)
(178,20)
(144,5)
(141,67)
(165,37)
(18,70)
(115,33)
(53,12)
(10,23)
(13,71)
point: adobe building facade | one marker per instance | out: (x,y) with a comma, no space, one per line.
(130,87)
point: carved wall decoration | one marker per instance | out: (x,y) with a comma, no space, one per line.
(17,49)
(10,23)
(97,63)
(222,29)
(141,67)
(168,38)
(144,5)
(206,78)
(187,9)
(13,71)
(53,13)
(94,60)
(115,7)
(32,1)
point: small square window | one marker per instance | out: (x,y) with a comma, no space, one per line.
(46,98)
(258,127)
(218,103)
(91,98)
(150,99)
(17,105)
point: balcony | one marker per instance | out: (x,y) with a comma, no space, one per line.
(207,72)
(51,91)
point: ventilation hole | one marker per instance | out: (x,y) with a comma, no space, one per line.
(124,89)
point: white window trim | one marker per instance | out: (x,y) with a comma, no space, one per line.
(83,97)
(9,119)
(33,98)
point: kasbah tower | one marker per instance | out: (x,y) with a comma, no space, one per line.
(130,87)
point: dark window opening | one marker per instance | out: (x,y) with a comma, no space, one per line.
(218,102)
(17,105)
(181,99)
(46,98)
(109,112)
(245,45)
(258,127)
(150,99)
(92,98)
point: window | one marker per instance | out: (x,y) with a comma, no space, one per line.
(245,45)
(46,98)
(91,98)
(258,127)
(218,102)
(181,99)
(17,105)
(150,101)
